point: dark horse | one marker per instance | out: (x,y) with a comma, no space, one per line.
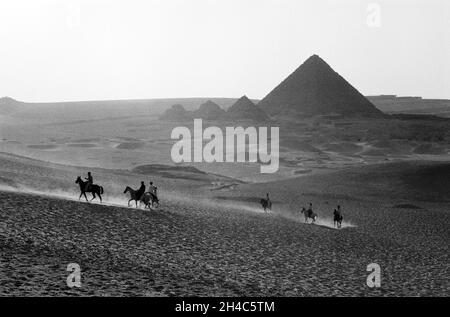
(337,218)
(94,189)
(309,214)
(133,195)
(266,204)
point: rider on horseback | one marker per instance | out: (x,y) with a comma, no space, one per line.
(90,181)
(338,211)
(337,214)
(310,208)
(140,191)
(153,189)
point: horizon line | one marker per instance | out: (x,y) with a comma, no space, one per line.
(198,97)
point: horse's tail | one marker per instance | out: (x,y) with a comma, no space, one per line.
(101,190)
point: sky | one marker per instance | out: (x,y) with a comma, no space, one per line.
(58,50)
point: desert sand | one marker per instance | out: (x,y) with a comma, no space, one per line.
(219,242)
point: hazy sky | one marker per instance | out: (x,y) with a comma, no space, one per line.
(126,49)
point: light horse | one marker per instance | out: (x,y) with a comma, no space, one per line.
(337,219)
(94,189)
(149,199)
(309,214)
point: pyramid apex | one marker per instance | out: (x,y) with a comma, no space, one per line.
(314,88)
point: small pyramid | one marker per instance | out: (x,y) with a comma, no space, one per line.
(209,111)
(245,109)
(315,88)
(175,113)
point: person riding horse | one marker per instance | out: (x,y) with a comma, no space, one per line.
(266,203)
(309,214)
(88,186)
(337,215)
(140,191)
(89,181)
(151,197)
(153,189)
(148,198)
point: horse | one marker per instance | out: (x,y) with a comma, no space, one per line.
(94,189)
(309,214)
(133,195)
(266,204)
(337,219)
(150,199)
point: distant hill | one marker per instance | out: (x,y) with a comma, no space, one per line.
(245,109)
(316,89)
(9,105)
(209,111)
(75,111)
(411,105)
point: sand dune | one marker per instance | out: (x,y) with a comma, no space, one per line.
(202,242)
(196,250)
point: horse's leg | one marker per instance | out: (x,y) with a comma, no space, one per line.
(100,196)
(84,193)
(129,202)
(93,196)
(81,194)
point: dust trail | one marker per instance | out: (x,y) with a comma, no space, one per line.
(212,203)
(321,220)
(278,212)
(121,201)
(113,201)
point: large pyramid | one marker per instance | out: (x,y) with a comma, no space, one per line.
(316,89)
(245,109)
